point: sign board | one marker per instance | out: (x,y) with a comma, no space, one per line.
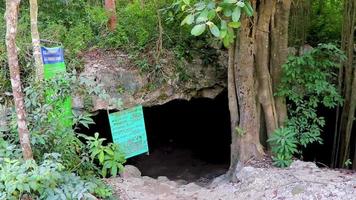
(129,132)
(53,61)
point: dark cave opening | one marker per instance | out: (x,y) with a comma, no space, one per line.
(188,140)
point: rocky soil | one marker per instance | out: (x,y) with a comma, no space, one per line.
(302,180)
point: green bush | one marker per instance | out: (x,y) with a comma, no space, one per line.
(47,180)
(308,83)
(284,145)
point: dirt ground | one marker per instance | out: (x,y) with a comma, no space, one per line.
(302,180)
(178,165)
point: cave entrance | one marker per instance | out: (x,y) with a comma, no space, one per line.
(188,140)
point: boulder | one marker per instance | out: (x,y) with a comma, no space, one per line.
(130,171)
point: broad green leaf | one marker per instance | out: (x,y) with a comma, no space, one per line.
(203,17)
(198,29)
(211,14)
(200,6)
(240,4)
(223,25)
(223,33)
(114,170)
(236,14)
(214,30)
(101,157)
(234,24)
(226,41)
(211,5)
(248,9)
(227,12)
(188,20)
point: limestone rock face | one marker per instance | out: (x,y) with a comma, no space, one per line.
(125,80)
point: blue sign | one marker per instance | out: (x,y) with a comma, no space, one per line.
(52,55)
(129,132)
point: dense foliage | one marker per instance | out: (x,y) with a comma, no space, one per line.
(308,83)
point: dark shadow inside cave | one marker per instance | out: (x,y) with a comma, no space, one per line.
(188,140)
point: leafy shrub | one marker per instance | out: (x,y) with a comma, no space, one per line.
(48,135)
(308,83)
(284,145)
(45,181)
(110,157)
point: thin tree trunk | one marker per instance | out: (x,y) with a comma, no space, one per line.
(350,120)
(36,40)
(346,74)
(159,43)
(279,53)
(11,15)
(111,9)
(233,107)
(265,92)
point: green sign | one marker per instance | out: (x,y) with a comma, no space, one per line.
(53,60)
(129,132)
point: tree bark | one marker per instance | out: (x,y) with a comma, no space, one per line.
(265,92)
(233,107)
(248,141)
(111,9)
(11,15)
(36,40)
(257,72)
(279,53)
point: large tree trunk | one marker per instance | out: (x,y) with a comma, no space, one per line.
(36,40)
(111,9)
(256,61)
(11,15)
(248,140)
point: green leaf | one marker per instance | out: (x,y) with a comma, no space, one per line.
(188,20)
(236,14)
(211,14)
(234,24)
(203,17)
(223,33)
(114,170)
(230,1)
(248,9)
(200,6)
(223,25)
(214,30)
(187,2)
(240,4)
(101,157)
(227,12)
(198,29)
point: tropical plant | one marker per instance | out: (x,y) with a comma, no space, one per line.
(308,83)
